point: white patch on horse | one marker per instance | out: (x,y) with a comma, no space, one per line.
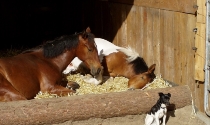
(104,48)
(73,66)
(131,53)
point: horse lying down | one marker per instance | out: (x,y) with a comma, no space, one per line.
(40,69)
(117,61)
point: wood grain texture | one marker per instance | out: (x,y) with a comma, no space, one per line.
(59,110)
(162,37)
(186,6)
(200,52)
(201,12)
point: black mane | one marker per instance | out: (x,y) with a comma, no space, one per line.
(57,46)
(139,65)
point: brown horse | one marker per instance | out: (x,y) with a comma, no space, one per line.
(135,69)
(40,69)
(118,61)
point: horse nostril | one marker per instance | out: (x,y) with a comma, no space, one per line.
(99,70)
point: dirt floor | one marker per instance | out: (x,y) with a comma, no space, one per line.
(182,116)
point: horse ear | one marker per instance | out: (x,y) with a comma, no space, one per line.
(88,30)
(151,68)
(84,35)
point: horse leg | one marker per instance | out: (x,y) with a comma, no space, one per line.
(72,85)
(59,90)
(8,92)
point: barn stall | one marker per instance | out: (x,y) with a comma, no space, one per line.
(168,33)
(171,34)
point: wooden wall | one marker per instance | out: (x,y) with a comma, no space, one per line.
(200,53)
(162,32)
(160,36)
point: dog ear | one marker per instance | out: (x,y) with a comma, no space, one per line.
(169,94)
(160,93)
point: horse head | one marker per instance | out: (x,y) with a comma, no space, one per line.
(140,80)
(87,52)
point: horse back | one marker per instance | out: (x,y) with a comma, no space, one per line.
(24,72)
(115,64)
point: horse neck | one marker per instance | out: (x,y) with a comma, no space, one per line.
(63,60)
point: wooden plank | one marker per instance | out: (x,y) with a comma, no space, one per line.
(156,40)
(144,28)
(119,14)
(199,96)
(200,41)
(83,107)
(162,42)
(200,52)
(186,6)
(149,31)
(122,35)
(168,45)
(139,30)
(177,46)
(200,55)
(201,12)
(183,49)
(115,13)
(191,22)
(131,26)
(106,25)
(114,21)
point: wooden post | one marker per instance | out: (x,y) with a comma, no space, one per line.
(58,110)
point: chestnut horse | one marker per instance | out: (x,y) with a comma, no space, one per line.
(119,61)
(40,69)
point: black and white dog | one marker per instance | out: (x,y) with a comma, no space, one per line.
(158,111)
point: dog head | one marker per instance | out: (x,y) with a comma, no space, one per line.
(164,98)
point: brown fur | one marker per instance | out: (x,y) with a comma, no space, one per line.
(24,75)
(115,64)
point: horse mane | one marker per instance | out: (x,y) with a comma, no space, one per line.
(131,53)
(139,65)
(53,48)
(134,59)
(57,46)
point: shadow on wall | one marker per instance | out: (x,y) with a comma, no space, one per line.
(111,17)
(30,23)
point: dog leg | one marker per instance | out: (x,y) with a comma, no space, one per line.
(164,120)
(157,120)
(149,120)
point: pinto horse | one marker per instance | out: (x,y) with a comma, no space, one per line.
(119,61)
(40,68)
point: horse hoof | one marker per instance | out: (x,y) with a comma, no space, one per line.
(131,88)
(72,86)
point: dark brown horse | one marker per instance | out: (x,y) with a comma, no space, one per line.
(40,69)
(118,61)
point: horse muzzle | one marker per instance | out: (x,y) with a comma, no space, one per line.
(95,70)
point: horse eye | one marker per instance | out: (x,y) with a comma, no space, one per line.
(90,50)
